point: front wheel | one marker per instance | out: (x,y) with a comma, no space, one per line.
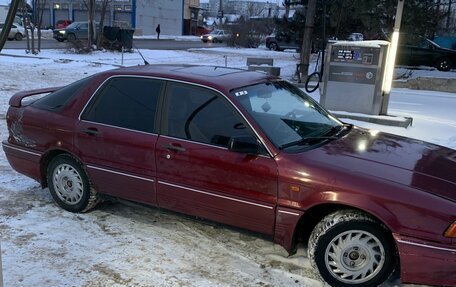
(18,37)
(349,248)
(69,184)
(273,46)
(71,37)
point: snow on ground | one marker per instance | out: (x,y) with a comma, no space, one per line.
(125,244)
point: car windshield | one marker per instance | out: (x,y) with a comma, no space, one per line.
(216,32)
(288,116)
(73,25)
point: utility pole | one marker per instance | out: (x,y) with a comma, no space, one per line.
(1,272)
(220,11)
(307,39)
(391,61)
(449,15)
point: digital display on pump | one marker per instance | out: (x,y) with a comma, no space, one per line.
(355,55)
(344,54)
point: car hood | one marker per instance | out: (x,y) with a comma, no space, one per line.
(411,162)
(446,50)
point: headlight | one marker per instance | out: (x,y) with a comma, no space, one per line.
(210,37)
(62,32)
(201,37)
(451,231)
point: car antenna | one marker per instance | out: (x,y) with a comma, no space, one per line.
(145,61)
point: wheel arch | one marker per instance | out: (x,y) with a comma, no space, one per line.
(316,213)
(46,160)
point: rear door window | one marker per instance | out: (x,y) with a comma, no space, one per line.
(126,102)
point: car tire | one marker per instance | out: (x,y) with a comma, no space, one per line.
(273,46)
(215,40)
(71,37)
(444,64)
(18,37)
(69,184)
(60,40)
(349,248)
(205,41)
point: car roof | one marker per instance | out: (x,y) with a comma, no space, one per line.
(221,78)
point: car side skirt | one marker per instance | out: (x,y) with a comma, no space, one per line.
(440,267)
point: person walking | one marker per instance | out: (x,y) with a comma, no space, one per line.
(158,31)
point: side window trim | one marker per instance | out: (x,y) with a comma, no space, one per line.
(164,98)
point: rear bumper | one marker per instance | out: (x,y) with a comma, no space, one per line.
(426,262)
(23,160)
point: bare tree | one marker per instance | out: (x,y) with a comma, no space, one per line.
(40,4)
(8,22)
(104,8)
(32,26)
(91,16)
(287,4)
(307,39)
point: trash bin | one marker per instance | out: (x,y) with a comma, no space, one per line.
(111,33)
(126,38)
(354,77)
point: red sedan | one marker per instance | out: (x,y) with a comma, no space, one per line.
(250,150)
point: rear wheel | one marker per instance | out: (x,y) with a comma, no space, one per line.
(69,184)
(349,248)
(18,37)
(444,64)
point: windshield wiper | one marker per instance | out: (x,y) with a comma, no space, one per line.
(306,141)
(336,130)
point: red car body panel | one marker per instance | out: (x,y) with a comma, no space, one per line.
(426,263)
(408,185)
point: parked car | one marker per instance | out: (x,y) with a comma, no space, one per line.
(250,150)
(355,37)
(216,36)
(281,43)
(17,32)
(425,53)
(61,24)
(74,31)
(201,30)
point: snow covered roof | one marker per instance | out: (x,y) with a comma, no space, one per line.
(371,43)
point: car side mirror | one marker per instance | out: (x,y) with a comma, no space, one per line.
(244,144)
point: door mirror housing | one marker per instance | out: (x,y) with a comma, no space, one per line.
(244,144)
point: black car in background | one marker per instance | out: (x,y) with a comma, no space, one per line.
(280,43)
(424,52)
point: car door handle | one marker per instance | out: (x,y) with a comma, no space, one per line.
(91,131)
(174,148)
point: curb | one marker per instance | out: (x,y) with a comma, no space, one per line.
(427,83)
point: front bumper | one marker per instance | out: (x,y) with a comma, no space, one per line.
(426,262)
(59,36)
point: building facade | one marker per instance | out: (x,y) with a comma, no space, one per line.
(176,17)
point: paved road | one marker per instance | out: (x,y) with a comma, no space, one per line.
(152,44)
